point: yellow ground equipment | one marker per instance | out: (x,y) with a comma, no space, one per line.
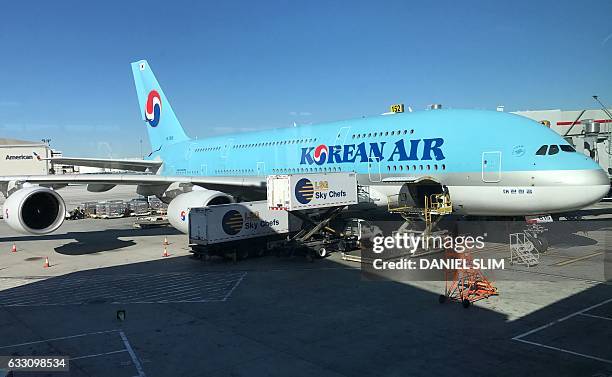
(435,205)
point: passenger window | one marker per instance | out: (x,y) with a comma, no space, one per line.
(542,150)
(567,148)
(554,149)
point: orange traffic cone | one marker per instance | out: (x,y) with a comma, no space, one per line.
(165,254)
(46,265)
(14,248)
(166,241)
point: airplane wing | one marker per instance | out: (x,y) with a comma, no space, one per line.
(122,164)
(102,182)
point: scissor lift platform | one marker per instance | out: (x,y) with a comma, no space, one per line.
(436,206)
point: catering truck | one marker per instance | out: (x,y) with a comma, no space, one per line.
(238,229)
(295,218)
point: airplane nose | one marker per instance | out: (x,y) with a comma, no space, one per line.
(577,189)
(595,184)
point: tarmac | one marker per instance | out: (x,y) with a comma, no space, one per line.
(273,316)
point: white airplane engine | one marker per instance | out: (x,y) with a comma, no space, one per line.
(34,210)
(178,209)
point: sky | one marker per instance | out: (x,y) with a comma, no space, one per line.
(246,65)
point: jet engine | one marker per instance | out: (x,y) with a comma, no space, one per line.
(34,210)
(178,209)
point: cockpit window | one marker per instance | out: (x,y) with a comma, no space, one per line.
(554,149)
(567,148)
(542,150)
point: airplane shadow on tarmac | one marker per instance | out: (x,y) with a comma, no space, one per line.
(279,317)
(90,242)
(559,233)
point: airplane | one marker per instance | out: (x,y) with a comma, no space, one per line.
(490,163)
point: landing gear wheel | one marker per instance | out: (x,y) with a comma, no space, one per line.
(442,299)
(544,244)
(465,303)
(540,244)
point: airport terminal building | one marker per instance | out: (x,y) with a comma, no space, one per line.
(20,157)
(589,131)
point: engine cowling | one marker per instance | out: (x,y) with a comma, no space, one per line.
(178,209)
(34,210)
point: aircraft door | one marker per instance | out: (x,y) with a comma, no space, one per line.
(342,135)
(374,169)
(225,149)
(261,168)
(204,169)
(491,166)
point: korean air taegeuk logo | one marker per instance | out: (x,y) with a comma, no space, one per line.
(153,108)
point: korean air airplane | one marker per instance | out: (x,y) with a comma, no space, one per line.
(491,164)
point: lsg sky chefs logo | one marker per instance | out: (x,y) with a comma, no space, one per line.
(304,191)
(232,222)
(307,190)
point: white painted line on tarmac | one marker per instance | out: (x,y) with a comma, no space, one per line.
(60,338)
(550,324)
(596,316)
(98,354)
(160,287)
(561,319)
(234,287)
(132,354)
(564,350)
(577,259)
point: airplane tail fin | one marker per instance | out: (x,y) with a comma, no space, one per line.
(162,125)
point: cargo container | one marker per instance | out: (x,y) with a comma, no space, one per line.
(157,205)
(111,209)
(89,208)
(139,207)
(310,191)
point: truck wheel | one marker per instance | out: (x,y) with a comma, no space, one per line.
(321,252)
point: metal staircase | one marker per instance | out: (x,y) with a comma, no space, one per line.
(522,250)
